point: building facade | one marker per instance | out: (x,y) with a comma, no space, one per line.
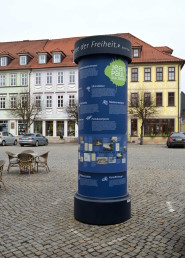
(45,69)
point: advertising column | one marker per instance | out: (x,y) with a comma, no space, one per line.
(102,197)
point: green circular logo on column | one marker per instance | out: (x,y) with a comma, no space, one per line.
(116,72)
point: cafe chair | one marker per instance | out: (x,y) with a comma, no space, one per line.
(2,162)
(13,160)
(26,162)
(42,161)
(27,151)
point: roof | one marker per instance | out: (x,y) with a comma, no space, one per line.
(149,54)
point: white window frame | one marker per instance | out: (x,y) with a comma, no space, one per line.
(4,61)
(13,79)
(13,101)
(2,79)
(38,101)
(24,79)
(42,58)
(38,79)
(72,77)
(60,101)
(56,58)
(71,100)
(49,101)
(23,100)
(23,60)
(60,79)
(2,102)
(49,78)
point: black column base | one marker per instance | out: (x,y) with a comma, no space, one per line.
(102,211)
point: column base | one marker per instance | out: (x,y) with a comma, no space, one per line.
(102,211)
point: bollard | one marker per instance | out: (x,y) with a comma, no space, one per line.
(102,197)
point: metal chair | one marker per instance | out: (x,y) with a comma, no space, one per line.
(13,160)
(2,162)
(42,161)
(26,162)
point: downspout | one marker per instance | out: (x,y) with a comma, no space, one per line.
(29,88)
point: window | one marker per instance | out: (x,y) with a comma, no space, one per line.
(71,128)
(2,102)
(2,80)
(133,127)
(136,52)
(24,101)
(60,101)
(13,79)
(38,101)
(23,79)
(171,73)
(49,128)
(134,99)
(158,127)
(159,99)
(72,77)
(56,58)
(60,128)
(134,74)
(23,60)
(159,74)
(71,100)
(13,102)
(147,99)
(49,78)
(171,99)
(4,61)
(38,79)
(38,127)
(42,59)
(60,77)
(147,76)
(49,102)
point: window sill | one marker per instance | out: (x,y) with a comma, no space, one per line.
(134,81)
(159,81)
(171,106)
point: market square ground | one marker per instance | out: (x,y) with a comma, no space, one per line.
(36,212)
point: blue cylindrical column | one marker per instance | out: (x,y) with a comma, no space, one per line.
(102,196)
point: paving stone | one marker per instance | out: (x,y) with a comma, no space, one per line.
(37,211)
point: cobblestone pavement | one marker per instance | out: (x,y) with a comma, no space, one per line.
(36,212)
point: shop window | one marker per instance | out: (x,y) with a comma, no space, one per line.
(21,128)
(38,127)
(60,128)
(158,127)
(71,128)
(49,128)
(3,125)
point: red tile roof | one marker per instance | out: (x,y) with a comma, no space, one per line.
(149,54)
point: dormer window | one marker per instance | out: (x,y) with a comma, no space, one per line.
(4,61)
(56,58)
(42,58)
(136,50)
(23,60)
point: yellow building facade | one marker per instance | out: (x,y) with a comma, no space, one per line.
(163,87)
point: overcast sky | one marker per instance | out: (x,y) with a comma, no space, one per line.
(157,22)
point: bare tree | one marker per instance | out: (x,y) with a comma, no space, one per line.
(72,111)
(142,108)
(25,109)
